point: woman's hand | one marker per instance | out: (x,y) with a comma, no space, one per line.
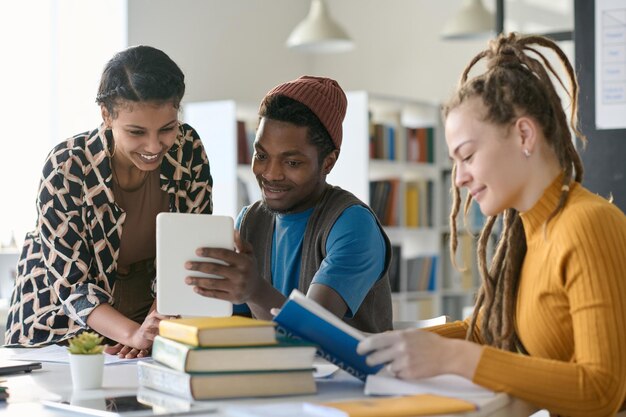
(126,352)
(143,337)
(414,353)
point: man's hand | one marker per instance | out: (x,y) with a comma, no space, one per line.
(241,281)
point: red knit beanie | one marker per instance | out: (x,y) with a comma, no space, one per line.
(323,97)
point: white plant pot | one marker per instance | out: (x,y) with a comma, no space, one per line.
(87,371)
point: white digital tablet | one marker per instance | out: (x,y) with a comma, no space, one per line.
(122,406)
(178,237)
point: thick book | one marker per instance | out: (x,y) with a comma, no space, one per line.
(416,405)
(303,318)
(219,331)
(214,385)
(286,354)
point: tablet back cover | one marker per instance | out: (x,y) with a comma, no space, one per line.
(178,237)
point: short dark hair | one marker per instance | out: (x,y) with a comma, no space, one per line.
(140,73)
(285,109)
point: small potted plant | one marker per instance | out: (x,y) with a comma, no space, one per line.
(86,360)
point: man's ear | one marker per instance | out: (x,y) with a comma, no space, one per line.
(330,161)
(527,131)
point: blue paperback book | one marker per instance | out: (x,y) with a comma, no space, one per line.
(303,318)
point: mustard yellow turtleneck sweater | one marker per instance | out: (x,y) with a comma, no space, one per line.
(571,310)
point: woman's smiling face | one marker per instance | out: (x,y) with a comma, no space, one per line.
(143,132)
(488,158)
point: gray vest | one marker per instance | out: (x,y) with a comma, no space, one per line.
(257,227)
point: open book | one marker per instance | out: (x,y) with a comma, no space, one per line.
(303,318)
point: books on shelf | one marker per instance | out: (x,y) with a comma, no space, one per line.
(462,278)
(421,273)
(245,140)
(219,331)
(286,354)
(303,318)
(214,385)
(393,142)
(419,200)
(420,144)
(384,197)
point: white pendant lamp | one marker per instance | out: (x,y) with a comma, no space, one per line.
(472,20)
(319,33)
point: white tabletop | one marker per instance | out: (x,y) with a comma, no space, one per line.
(53,382)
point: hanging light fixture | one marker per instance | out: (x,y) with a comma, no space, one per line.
(472,20)
(319,33)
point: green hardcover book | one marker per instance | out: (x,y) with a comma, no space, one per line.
(286,354)
(213,385)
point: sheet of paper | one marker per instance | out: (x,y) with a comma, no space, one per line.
(324,370)
(59,354)
(610,73)
(446,385)
(287,409)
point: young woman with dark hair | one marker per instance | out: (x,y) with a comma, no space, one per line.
(90,261)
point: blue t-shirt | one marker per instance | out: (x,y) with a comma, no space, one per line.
(355,254)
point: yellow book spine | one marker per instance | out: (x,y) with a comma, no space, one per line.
(412,206)
(416,405)
(175,331)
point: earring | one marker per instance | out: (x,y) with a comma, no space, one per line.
(526,153)
(109,136)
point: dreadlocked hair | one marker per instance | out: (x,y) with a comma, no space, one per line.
(517,82)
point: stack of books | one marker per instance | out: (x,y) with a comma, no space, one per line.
(226,357)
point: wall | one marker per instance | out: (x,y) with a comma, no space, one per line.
(235,48)
(604,155)
(228,49)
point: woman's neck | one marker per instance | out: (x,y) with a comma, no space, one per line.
(126,175)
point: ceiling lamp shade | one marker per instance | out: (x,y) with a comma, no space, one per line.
(319,33)
(472,20)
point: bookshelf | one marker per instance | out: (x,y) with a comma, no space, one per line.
(389,159)
(221,125)
(394,158)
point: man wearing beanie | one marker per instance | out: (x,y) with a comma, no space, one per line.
(304,233)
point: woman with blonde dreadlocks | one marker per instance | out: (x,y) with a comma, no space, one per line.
(549,325)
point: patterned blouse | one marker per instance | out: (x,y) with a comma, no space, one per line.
(68,263)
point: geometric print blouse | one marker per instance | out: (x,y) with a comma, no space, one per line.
(67,264)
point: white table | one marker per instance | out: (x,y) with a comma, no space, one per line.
(54,381)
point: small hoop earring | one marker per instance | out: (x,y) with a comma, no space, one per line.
(114,149)
(526,153)
(108,134)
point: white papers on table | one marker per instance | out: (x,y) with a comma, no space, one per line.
(58,354)
(445,385)
(324,370)
(288,409)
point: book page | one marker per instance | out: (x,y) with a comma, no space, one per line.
(446,385)
(321,312)
(59,354)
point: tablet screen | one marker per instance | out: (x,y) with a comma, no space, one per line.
(120,406)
